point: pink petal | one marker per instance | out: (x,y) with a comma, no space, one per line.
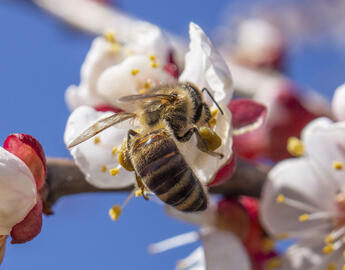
(224,173)
(31,226)
(247,115)
(29,150)
(107,108)
(171,67)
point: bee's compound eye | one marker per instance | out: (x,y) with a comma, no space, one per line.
(211,138)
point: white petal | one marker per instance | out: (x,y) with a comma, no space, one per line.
(325,144)
(308,254)
(223,251)
(296,180)
(90,157)
(97,60)
(17,191)
(338,103)
(203,165)
(206,68)
(118,80)
(150,40)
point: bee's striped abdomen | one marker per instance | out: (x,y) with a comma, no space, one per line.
(165,172)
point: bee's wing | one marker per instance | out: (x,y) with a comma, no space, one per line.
(132,98)
(101,125)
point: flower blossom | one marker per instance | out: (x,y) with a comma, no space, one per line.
(23,172)
(230,234)
(304,197)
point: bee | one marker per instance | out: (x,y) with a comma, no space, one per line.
(166,114)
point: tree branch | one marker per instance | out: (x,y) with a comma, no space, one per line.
(64,178)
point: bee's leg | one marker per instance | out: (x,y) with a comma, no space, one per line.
(141,186)
(202,145)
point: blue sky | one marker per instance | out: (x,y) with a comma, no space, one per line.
(39,58)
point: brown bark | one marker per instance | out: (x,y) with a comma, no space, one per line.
(64,178)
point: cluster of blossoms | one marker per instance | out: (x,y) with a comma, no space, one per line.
(304,196)
(23,173)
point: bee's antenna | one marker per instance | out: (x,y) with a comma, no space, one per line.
(215,102)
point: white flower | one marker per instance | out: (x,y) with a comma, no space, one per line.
(338,103)
(17,191)
(204,67)
(106,52)
(305,197)
(220,249)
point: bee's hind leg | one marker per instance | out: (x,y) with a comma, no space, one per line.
(141,187)
(202,145)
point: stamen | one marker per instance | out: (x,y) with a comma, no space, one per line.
(104,168)
(329,239)
(114,151)
(135,71)
(273,263)
(174,242)
(138,193)
(194,259)
(148,84)
(116,210)
(114,171)
(115,48)
(331,266)
(295,147)
(214,113)
(96,140)
(154,64)
(299,205)
(328,249)
(338,165)
(280,198)
(282,236)
(303,218)
(110,36)
(343,268)
(267,245)
(152,57)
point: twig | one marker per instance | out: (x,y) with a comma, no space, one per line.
(64,178)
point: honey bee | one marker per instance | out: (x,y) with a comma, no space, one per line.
(166,114)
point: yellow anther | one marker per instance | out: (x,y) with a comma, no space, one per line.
(212,122)
(115,48)
(104,168)
(295,147)
(154,64)
(344,254)
(114,171)
(135,71)
(329,239)
(124,161)
(211,138)
(152,57)
(110,36)
(138,193)
(115,212)
(96,140)
(280,198)
(282,236)
(303,218)
(273,263)
(343,268)
(331,266)
(267,245)
(114,151)
(338,165)
(148,85)
(328,249)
